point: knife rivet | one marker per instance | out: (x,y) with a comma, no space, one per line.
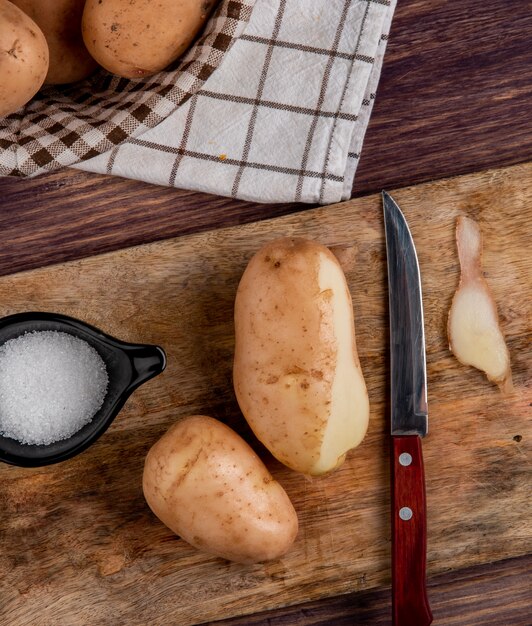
(405,513)
(405,459)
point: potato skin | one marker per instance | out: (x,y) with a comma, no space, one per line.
(60,21)
(296,372)
(23,58)
(206,484)
(137,39)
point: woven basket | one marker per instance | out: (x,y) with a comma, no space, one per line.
(63,126)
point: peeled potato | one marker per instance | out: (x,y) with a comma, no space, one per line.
(136,39)
(475,337)
(60,21)
(297,375)
(206,484)
(23,58)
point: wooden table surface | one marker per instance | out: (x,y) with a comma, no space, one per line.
(454,98)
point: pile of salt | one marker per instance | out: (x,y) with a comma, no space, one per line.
(51,385)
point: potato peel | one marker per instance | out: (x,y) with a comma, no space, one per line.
(475,337)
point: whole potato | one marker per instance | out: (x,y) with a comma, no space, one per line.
(60,21)
(296,373)
(136,39)
(206,484)
(23,58)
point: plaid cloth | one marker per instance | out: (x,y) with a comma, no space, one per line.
(63,126)
(284,116)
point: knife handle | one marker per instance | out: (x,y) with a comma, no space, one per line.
(410,605)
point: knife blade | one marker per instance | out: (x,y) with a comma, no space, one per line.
(409,422)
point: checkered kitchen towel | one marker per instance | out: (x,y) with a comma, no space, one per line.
(283,117)
(63,126)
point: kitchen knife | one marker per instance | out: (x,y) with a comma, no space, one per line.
(409,422)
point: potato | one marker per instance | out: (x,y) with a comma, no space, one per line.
(206,484)
(23,58)
(136,39)
(60,21)
(296,373)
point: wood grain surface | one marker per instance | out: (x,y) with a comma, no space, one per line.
(473,596)
(78,543)
(454,97)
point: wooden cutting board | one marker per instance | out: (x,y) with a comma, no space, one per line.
(78,544)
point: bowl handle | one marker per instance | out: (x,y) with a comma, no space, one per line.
(146,362)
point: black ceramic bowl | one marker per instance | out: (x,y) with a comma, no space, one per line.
(128,366)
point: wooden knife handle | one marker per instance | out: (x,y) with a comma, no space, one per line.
(410,604)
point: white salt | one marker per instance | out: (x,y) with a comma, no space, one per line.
(51,384)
